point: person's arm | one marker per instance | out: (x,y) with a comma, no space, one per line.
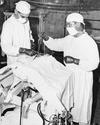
(54,44)
(33,46)
(88,56)
(31,51)
(7,40)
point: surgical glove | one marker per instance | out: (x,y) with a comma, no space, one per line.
(76,61)
(44,36)
(28,52)
(69,59)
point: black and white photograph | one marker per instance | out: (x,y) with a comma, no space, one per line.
(49,62)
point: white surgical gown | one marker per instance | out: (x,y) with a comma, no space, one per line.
(85,49)
(14,35)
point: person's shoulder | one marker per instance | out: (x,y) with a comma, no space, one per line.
(9,21)
(88,37)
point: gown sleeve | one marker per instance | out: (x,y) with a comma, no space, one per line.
(55,44)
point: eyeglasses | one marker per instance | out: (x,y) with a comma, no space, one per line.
(70,24)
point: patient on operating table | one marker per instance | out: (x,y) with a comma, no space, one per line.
(50,78)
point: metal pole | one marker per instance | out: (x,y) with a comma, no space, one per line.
(21,108)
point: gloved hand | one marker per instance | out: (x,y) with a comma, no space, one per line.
(44,36)
(69,59)
(28,52)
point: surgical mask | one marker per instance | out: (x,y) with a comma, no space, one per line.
(72,31)
(22,20)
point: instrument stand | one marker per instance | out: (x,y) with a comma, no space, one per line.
(21,108)
(23,91)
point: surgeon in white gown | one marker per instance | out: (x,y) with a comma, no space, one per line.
(82,57)
(16,32)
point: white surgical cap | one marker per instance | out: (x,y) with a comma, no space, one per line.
(75,17)
(23,7)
